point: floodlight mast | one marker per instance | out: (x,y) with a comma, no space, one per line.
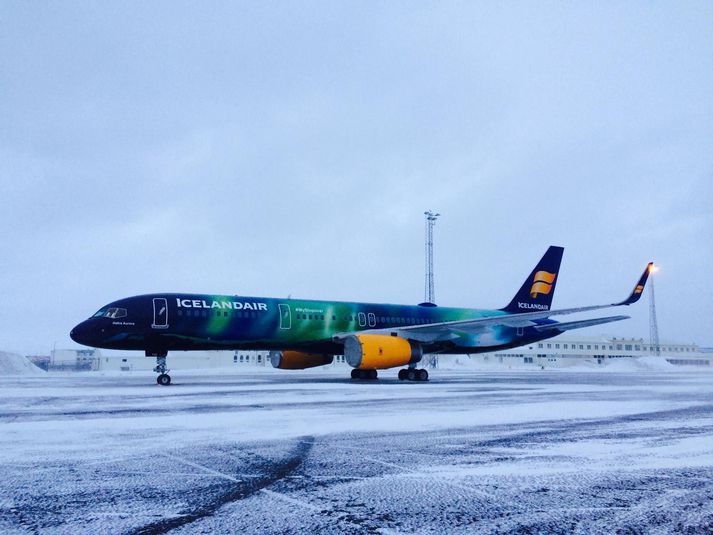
(429,292)
(654,345)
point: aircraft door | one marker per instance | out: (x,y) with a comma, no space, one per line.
(362,319)
(160,313)
(285,316)
(372,319)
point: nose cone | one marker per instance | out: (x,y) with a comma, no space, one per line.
(82,333)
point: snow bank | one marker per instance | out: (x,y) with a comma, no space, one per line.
(13,364)
(642,364)
(634,364)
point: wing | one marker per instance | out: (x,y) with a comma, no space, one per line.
(578,324)
(451,330)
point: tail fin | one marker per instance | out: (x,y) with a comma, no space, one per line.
(539,288)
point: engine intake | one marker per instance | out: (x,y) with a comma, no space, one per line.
(296,360)
(376,351)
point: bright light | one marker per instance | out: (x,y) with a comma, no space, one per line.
(653,269)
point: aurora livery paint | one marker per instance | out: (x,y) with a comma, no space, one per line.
(305,333)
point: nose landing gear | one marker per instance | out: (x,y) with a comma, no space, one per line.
(163,379)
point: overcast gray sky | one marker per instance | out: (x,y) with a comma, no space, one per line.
(286,148)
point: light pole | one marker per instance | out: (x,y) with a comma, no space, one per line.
(654,346)
(429,292)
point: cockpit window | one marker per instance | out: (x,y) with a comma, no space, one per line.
(115,313)
(100,313)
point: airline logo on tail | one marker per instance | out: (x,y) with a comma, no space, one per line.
(639,289)
(542,283)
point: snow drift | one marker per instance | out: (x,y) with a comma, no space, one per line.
(14,364)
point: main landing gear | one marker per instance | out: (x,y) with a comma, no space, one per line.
(407,374)
(369,375)
(163,379)
(413,374)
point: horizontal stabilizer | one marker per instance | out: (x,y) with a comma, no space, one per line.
(578,324)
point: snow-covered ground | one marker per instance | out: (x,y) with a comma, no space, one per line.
(267,451)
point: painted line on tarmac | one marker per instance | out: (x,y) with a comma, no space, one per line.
(287,499)
(270,493)
(204,468)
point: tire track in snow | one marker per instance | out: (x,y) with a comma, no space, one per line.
(235,491)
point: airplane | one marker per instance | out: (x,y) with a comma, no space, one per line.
(303,333)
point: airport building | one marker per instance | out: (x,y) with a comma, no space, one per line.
(559,352)
(566,351)
(68,360)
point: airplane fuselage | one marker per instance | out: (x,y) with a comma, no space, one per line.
(164,322)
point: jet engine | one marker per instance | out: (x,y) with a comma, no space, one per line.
(376,351)
(296,360)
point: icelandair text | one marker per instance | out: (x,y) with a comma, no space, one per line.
(233,305)
(532,305)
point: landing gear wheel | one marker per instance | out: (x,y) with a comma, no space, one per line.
(364,375)
(164,379)
(413,374)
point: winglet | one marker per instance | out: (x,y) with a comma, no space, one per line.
(639,288)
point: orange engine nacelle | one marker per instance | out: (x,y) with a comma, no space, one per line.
(295,360)
(376,351)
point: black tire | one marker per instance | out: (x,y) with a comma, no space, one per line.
(372,374)
(402,374)
(164,379)
(355,373)
(411,374)
(422,375)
